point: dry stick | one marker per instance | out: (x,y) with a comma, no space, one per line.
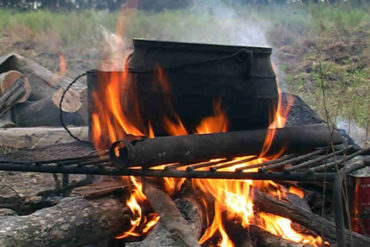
(170,216)
(305,218)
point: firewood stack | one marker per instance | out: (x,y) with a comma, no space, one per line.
(30,97)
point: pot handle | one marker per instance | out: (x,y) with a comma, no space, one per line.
(241,56)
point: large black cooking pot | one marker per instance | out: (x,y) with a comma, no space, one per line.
(198,74)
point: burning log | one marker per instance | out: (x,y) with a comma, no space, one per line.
(46,111)
(72,222)
(195,148)
(17,92)
(310,220)
(263,238)
(39,136)
(172,229)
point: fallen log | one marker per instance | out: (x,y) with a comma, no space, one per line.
(172,229)
(305,218)
(46,111)
(196,148)
(17,92)
(39,136)
(72,222)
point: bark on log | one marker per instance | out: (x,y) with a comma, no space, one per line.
(310,220)
(16,93)
(196,148)
(43,82)
(172,229)
(46,111)
(263,238)
(72,222)
(39,137)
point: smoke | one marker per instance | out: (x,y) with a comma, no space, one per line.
(214,21)
(357,133)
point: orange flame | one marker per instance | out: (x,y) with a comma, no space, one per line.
(296,191)
(62,65)
(282,227)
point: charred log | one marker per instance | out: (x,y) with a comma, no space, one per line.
(195,148)
(172,228)
(307,219)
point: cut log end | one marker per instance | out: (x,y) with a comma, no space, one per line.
(71,101)
(10,78)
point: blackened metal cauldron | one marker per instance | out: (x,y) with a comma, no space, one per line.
(198,74)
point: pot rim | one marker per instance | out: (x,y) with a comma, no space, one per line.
(171,45)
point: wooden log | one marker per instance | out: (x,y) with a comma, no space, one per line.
(239,236)
(263,238)
(46,111)
(72,222)
(16,93)
(307,219)
(39,137)
(172,229)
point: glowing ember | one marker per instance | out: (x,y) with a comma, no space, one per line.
(117,115)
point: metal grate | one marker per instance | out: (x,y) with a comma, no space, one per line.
(318,165)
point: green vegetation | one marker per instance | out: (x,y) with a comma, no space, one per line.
(319,47)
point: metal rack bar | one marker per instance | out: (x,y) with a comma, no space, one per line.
(292,161)
(248,167)
(317,160)
(333,164)
(232,163)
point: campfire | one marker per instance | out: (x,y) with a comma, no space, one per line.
(228,207)
(197,143)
